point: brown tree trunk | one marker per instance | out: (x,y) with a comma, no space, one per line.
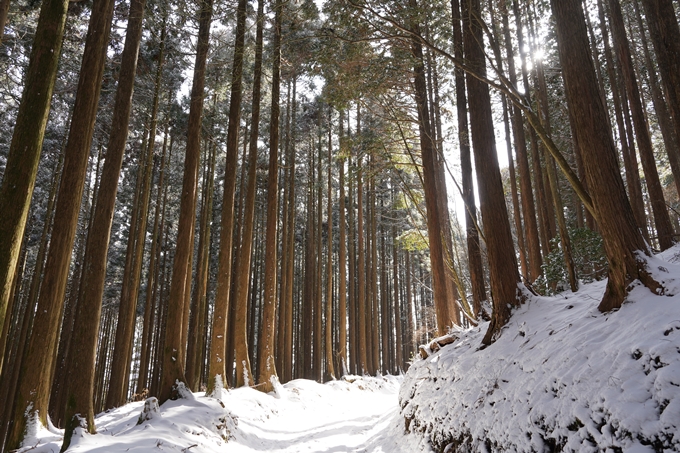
(661,109)
(665,34)
(38,366)
(622,121)
(471,227)
(664,229)
(624,244)
(330,369)
(4,10)
(40,355)
(24,152)
(342,254)
(173,366)
(266,365)
(504,277)
(152,274)
(434,225)
(125,328)
(224,274)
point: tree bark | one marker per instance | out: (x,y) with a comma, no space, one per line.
(37,368)
(662,221)
(625,248)
(504,277)
(27,139)
(266,365)
(665,33)
(173,366)
(428,151)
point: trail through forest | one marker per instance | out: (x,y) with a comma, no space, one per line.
(354,414)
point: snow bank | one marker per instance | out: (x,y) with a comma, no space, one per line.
(562,377)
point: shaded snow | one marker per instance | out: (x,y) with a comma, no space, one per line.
(563,376)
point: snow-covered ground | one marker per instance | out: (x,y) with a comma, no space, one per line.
(562,377)
(354,414)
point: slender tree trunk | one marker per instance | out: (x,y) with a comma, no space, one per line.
(266,365)
(504,278)
(663,115)
(152,275)
(125,328)
(434,219)
(330,370)
(27,139)
(224,274)
(474,250)
(342,253)
(290,239)
(621,113)
(173,368)
(664,229)
(4,11)
(665,34)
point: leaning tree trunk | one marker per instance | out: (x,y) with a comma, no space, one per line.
(665,33)
(504,277)
(173,366)
(37,368)
(4,11)
(662,221)
(624,245)
(24,152)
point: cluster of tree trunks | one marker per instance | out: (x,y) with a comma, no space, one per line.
(332,249)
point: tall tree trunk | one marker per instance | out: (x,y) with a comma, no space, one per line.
(624,245)
(244,268)
(266,365)
(504,278)
(224,274)
(38,366)
(664,229)
(472,233)
(173,366)
(152,274)
(196,337)
(623,123)
(342,253)
(434,219)
(330,370)
(665,33)
(288,297)
(661,109)
(4,11)
(27,139)
(125,328)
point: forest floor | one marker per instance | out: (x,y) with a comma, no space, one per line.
(353,414)
(561,377)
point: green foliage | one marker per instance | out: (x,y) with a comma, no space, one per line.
(589,260)
(413,240)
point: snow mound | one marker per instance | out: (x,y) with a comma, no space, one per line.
(562,377)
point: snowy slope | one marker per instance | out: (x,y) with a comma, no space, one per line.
(562,377)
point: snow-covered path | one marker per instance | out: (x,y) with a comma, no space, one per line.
(351,415)
(336,417)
